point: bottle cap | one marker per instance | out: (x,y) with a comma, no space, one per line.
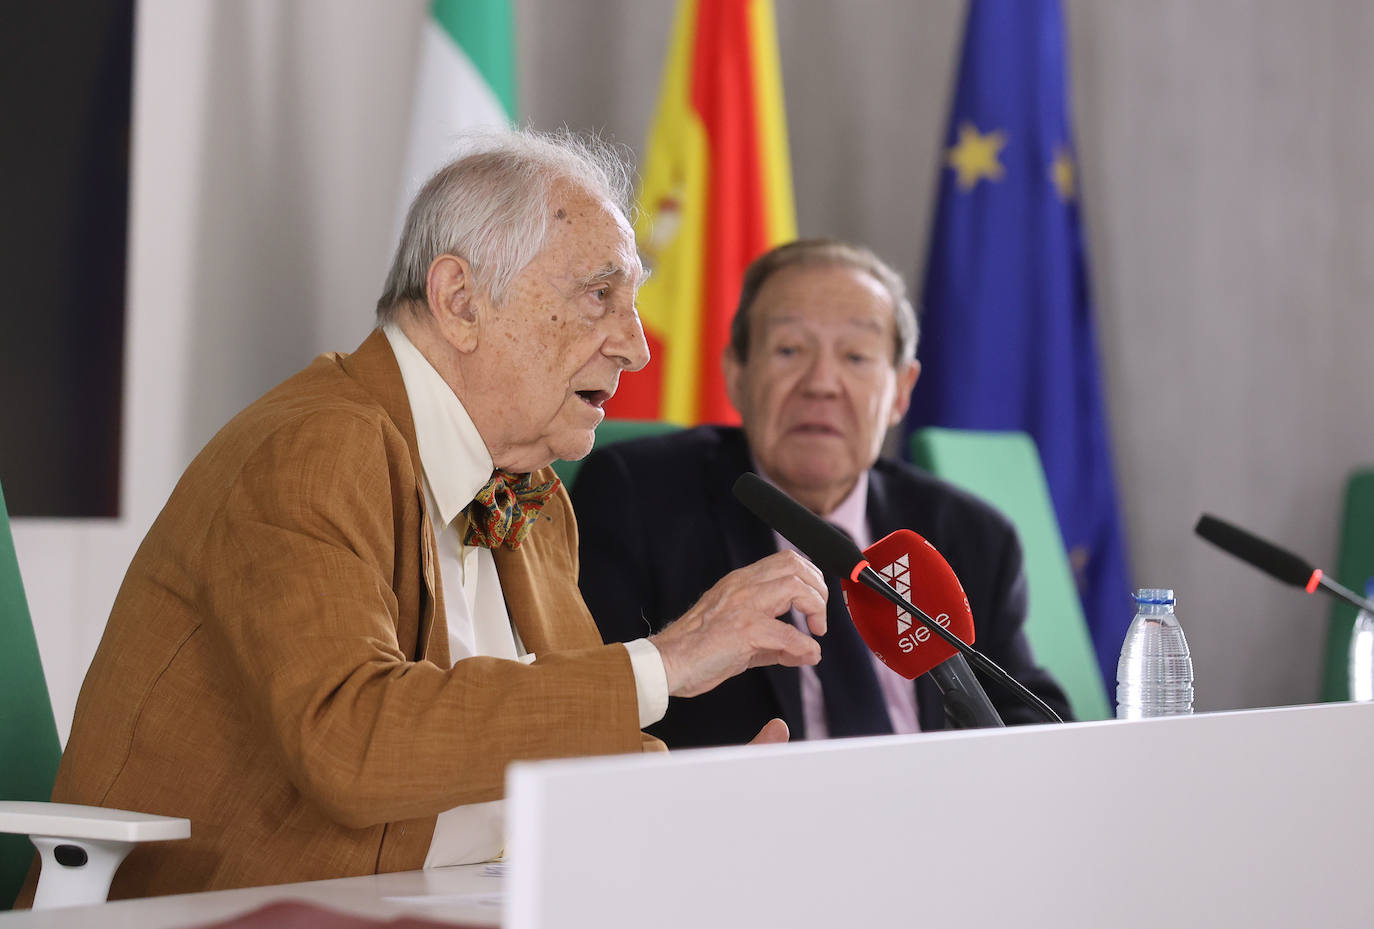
(1154,596)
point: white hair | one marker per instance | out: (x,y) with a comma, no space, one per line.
(490,207)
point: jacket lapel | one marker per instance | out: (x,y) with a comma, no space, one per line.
(374,366)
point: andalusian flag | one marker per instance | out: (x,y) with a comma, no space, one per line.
(466,81)
(717,192)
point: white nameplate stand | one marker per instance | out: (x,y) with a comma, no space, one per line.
(1249,819)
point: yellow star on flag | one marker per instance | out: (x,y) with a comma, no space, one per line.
(974,156)
(1062,174)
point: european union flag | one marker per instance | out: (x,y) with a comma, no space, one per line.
(1007,333)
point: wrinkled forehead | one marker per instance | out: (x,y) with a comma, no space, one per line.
(829,297)
(594,231)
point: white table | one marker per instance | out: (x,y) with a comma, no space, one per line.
(1253,819)
(471,894)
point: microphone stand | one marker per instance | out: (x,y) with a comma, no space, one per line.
(1341,592)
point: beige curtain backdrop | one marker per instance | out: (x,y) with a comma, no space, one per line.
(1227,160)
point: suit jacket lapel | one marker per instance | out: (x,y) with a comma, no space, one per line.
(374,366)
(746,539)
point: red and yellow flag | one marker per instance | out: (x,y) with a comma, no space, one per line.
(716,192)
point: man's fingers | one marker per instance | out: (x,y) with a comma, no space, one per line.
(784,644)
(784,564)
(810,604)
(817,622)
(794,593)
(773,731)
(810,597)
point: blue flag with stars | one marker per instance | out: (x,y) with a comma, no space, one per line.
(1007,336)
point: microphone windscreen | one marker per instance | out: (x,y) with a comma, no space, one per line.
(918,572)
(1268,557)
(828,548)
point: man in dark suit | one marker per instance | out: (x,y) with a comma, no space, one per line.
(820,365)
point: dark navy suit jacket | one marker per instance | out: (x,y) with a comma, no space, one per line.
(659,526)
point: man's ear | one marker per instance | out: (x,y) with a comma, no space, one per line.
(906,380)
(451,295)
(733,369)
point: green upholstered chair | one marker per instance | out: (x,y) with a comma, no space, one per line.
(29,749)
(610,432)
(1004,469)
(1354,565)
(81,846)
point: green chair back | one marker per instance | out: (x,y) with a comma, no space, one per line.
(1004,469)
(610,432)
(1354,564)
(29,748)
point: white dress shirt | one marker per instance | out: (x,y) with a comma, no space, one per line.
(455,465)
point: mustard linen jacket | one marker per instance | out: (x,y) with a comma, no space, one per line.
(276,666)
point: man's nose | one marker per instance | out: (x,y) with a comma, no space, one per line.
(822,376)
(626,342)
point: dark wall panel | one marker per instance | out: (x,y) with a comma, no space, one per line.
(65,77)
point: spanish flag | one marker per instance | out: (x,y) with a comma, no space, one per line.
(716,193)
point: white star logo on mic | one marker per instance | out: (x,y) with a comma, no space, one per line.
(898,574)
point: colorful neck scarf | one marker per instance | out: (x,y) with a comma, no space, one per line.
(505,509)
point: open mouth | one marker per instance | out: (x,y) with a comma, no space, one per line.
(596,398)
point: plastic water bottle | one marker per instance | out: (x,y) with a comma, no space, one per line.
(1362,652)
(1155,674)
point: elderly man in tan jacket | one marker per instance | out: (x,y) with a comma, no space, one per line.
(360,603)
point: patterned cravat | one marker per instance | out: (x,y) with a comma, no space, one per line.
(504,510)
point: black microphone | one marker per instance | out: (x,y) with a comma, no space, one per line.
(966,702)
(835,553)
(1278,563)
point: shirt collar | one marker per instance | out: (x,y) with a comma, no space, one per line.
(850,514)
(453,457)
